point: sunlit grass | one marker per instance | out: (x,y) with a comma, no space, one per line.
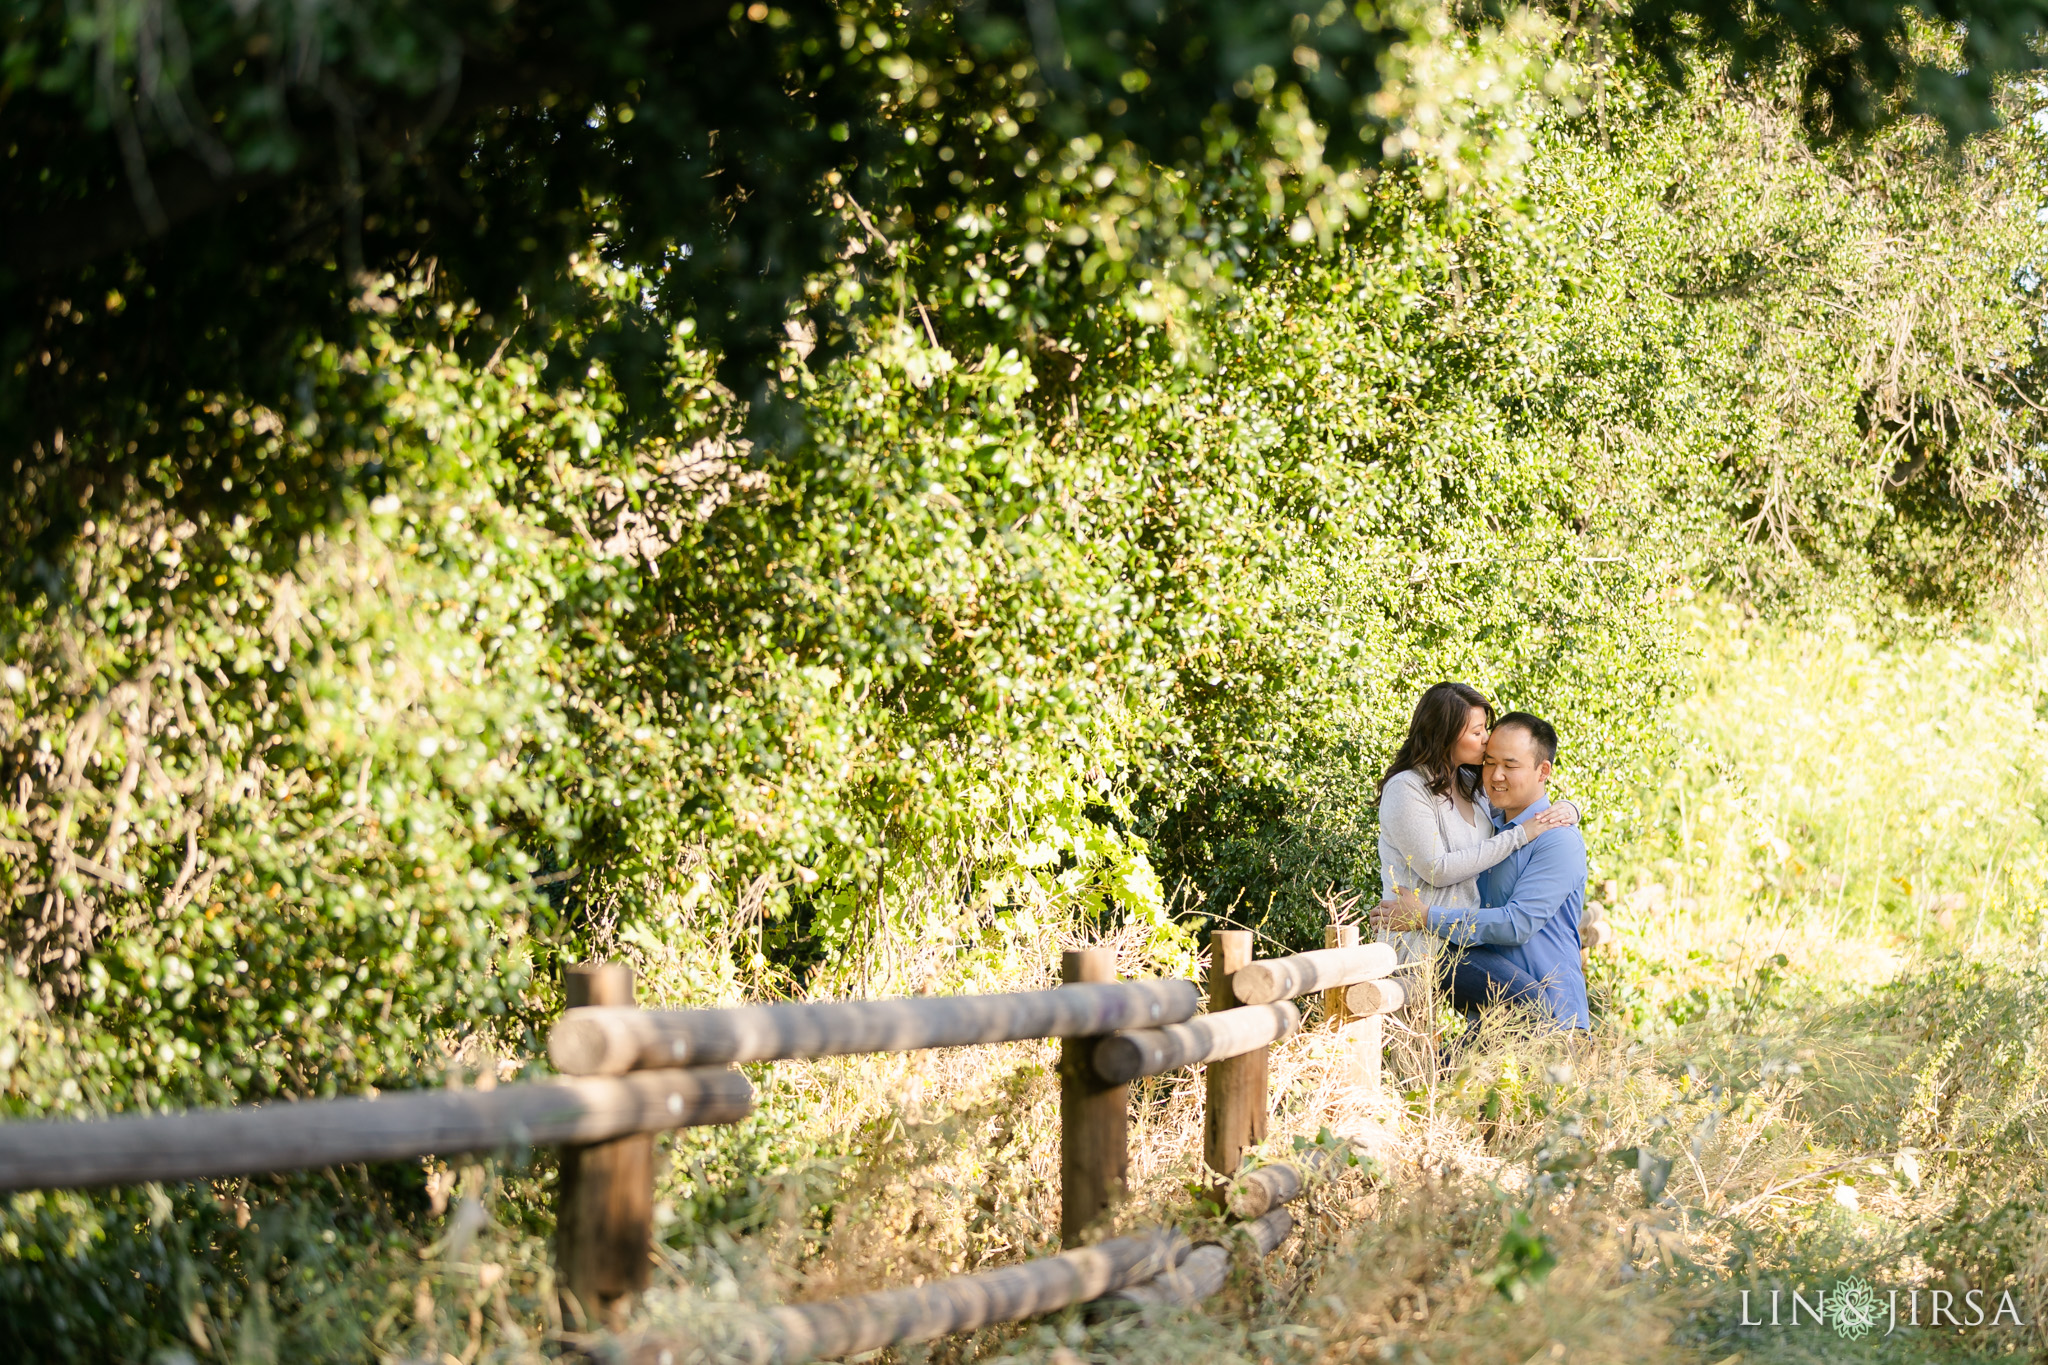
(1844,800)
(1837,778)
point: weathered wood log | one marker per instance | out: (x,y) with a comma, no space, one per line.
(604,1200)
(1593,913)
(1126,1056)
(1267,1188)
(1234,1115)
(1337,936)
(294,1136)
(1596,935)
(1282,1182)
(1206,1269)
(1095,1113)
(604,1228)
(1375,997)
(588,1042)
(597,983)
(897,1317)
(1283,978)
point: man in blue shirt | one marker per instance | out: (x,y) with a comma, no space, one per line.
(1522,945)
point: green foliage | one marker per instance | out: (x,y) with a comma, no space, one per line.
(117,1275)
(1523,1259)
(1076,565)
(206,192)
(203,192)
(313,776)
(1671,362)
(1859,67)
(1085,625)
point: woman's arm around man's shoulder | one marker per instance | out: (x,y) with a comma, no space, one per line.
(1409,822)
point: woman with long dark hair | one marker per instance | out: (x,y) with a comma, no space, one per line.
(1436,833)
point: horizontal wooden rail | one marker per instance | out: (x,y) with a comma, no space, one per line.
(1283,978)
(298,1135)
(1206,1268)
(1375,997)
(612,1041)
(867,1322)
(1227,1033)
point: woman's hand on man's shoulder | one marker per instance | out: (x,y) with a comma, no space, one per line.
(1559,816)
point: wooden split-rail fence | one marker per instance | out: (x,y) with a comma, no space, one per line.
(630,1073)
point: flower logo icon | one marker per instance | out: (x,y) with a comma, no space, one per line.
(1854,1307)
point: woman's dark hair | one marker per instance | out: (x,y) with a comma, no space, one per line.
(1440,717)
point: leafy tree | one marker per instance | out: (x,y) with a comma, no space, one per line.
(203,194)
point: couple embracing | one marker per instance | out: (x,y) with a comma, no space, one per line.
(1480,871)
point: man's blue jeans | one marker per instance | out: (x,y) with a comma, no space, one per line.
(1477,977)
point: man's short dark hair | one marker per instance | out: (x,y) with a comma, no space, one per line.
(1541,732)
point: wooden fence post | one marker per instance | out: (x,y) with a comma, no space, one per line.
(1364,1038)
(1334,1008)
(604,1205)
(1095,1158)
(1236,1115)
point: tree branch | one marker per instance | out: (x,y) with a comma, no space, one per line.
(185,186)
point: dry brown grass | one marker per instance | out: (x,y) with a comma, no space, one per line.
(872,1172)
(899,1170)
(955,1169)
